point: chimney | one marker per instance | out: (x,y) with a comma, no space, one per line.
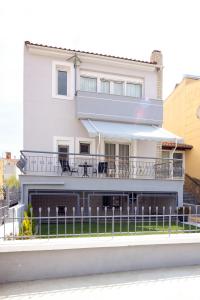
(8,155)
(157,58)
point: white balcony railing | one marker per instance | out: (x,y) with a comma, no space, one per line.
(99,166)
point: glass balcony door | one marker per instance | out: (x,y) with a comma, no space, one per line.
(117,156)
(177,164)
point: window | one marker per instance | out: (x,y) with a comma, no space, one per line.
(64,149)
(177,164)
(84,148)
(62,83)
(118,88)
(112,201)
(134,90)
(88,84)
(105,86)
(61,210)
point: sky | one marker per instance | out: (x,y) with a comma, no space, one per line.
(129,28)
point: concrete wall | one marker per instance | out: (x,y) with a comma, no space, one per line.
(54,259)
(95,184)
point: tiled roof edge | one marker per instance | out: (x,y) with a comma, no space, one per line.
(92,53)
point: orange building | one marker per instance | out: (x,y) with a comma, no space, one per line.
(182,117)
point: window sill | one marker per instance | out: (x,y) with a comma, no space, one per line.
(60,97)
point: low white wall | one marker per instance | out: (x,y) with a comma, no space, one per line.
(12,224)
(22,261)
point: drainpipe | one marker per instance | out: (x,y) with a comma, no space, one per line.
(75,79)
(76,61)
(172,156)
(175,147)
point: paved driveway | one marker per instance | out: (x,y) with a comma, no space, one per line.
(173,283)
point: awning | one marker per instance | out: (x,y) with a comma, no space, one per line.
(128,132)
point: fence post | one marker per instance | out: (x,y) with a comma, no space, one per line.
(90,212)
(31,212)
(196,208)
(149,218)
(48,213)
(4,223)
(135,219)
(105,219)
(163,218)
(82,208)
(113,215)
(65,221)
(142,218)
(13,222)
(56,221)
(170,220)
(40,210)
(73,210)
(97,220)
(120,220)
(156,218)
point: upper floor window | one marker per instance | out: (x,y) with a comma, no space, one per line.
(134,90)
(88,84)
(105,86)
(117,87)
(62,83)
(84,148)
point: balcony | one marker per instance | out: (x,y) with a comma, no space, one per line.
(99,106)
(99,166)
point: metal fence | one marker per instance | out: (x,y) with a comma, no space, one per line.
(100,166)
(182,220)
(8,198)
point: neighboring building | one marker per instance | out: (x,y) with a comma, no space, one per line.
(8,168)
(182,117)
(93,133)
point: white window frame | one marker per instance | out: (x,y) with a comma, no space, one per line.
(86,141)
(135,83)
(113,77)
(112,87)
(176,151)
(65,141)
(90,77)
(107,80)
(69,68)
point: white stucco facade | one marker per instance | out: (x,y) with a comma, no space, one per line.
(51,119)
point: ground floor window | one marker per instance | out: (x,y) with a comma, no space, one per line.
(61,210)
(112,201)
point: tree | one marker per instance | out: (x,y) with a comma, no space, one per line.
(12,182)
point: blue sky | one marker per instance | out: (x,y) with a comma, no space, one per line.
(128,28)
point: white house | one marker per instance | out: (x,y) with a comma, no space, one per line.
(92,132)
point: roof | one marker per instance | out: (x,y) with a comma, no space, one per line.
(170,145)
(92,53)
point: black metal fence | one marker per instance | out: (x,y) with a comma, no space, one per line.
(101,166)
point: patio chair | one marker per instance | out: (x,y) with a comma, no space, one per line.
(66,167)
(103,167)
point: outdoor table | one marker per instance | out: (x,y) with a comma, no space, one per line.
(85,167)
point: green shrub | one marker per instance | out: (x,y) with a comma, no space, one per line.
(28,223)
